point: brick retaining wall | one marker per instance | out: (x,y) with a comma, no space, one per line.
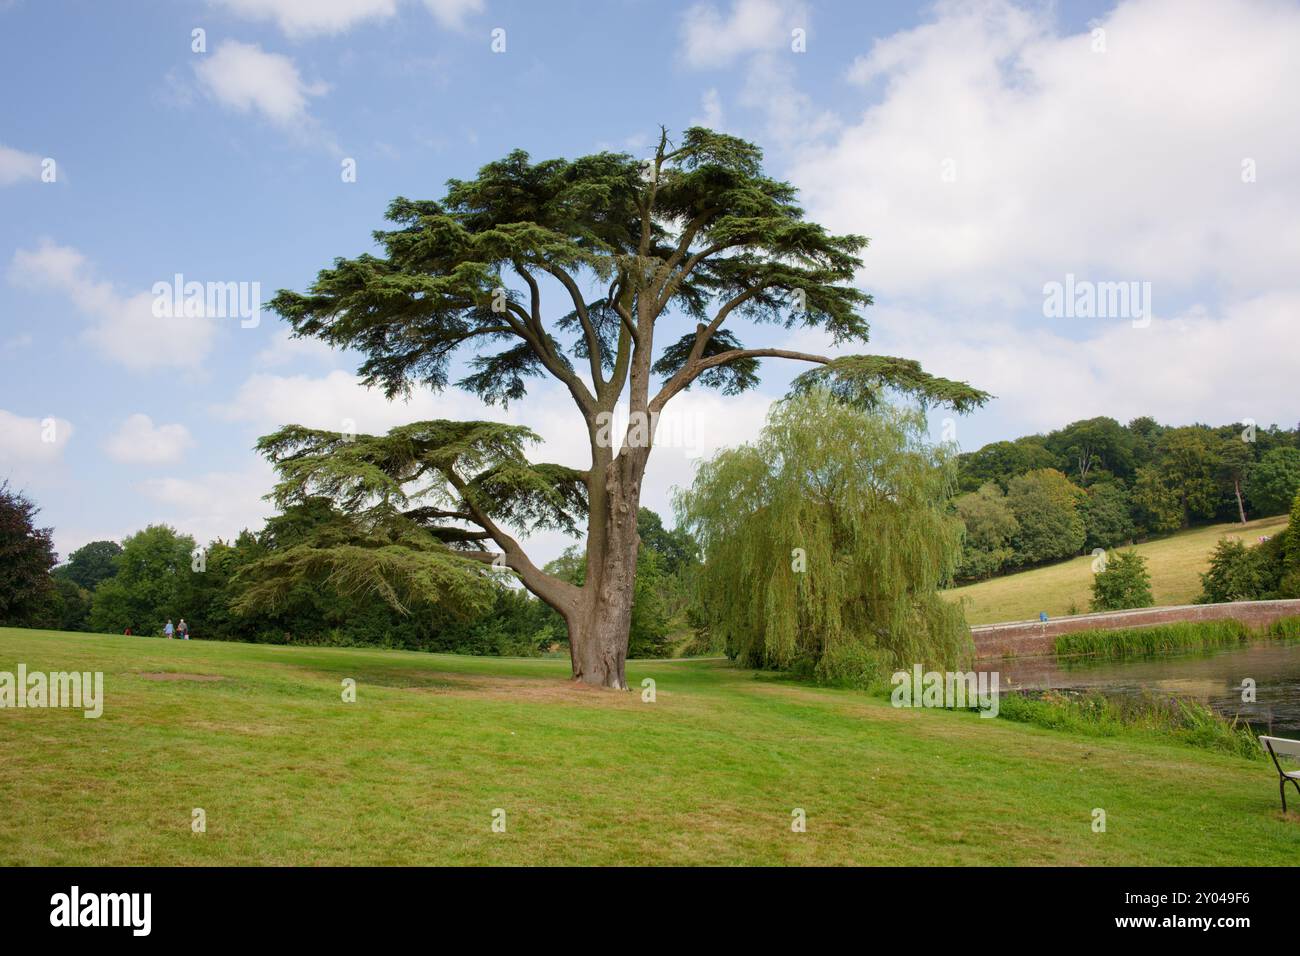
(1034,638)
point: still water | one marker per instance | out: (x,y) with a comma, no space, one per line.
(1211,677)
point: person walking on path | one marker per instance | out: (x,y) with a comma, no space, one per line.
(168,631)
(183,630)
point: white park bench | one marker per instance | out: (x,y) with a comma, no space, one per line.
(1281,747)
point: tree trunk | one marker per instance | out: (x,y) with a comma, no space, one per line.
(598,639)
(601,623)
(1241,509)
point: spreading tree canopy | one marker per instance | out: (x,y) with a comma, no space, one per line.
(574,271)
(91,563)
(1274,482)
(154,582)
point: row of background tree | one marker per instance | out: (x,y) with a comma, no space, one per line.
(157,574)
(1092,484)
(1098,484)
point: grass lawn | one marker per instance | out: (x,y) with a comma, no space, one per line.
(708,774)
(1175,564)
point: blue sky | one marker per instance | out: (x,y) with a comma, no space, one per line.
(987,148)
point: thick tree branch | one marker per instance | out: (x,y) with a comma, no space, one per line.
(673,282)
(487,557)
(621,307)
(648,204)
(459,534)
(551,361)
(688,372)
(560,594)
(693,369)
(707,333)
(618,376)
(433,514)
(595,352)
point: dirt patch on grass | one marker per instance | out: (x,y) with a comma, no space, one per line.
(170,675)
(471,686)
(483,686)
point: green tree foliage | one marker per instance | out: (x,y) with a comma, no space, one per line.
(1266,439)
(1238,573)
(1106,515)
(1047,509)
(1236,460)
(1263,571)
(1003,460)
(1274,482)
(159,581)
(517,625)
(990,526)
(677,562)
(675,547)
(69,607)
(674,247)
(1287,546)
(1157,507)
(213,591)
(1091,448)
(154,582)
(392,503)
(1146,431)
(649,632)
(91,563)
(826,540)
(1124,583)
(1186,470)
(319,609)
(1167,478)
(26,556)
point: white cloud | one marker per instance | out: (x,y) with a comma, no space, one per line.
(216,504)
(761,32)
(1123,164)
(305,18)
(452,13)
(696,424)
(1194,365)
(790,117)
(285,349)
(712,39)
(711,115)
(139,441)
(245,78)
(17,166)
(123,328)
(68,538)
(32,441)
(338,398)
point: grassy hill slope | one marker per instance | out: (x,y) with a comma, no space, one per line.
(1175,564)
(709,773)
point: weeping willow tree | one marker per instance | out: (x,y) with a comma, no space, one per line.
(825,542)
